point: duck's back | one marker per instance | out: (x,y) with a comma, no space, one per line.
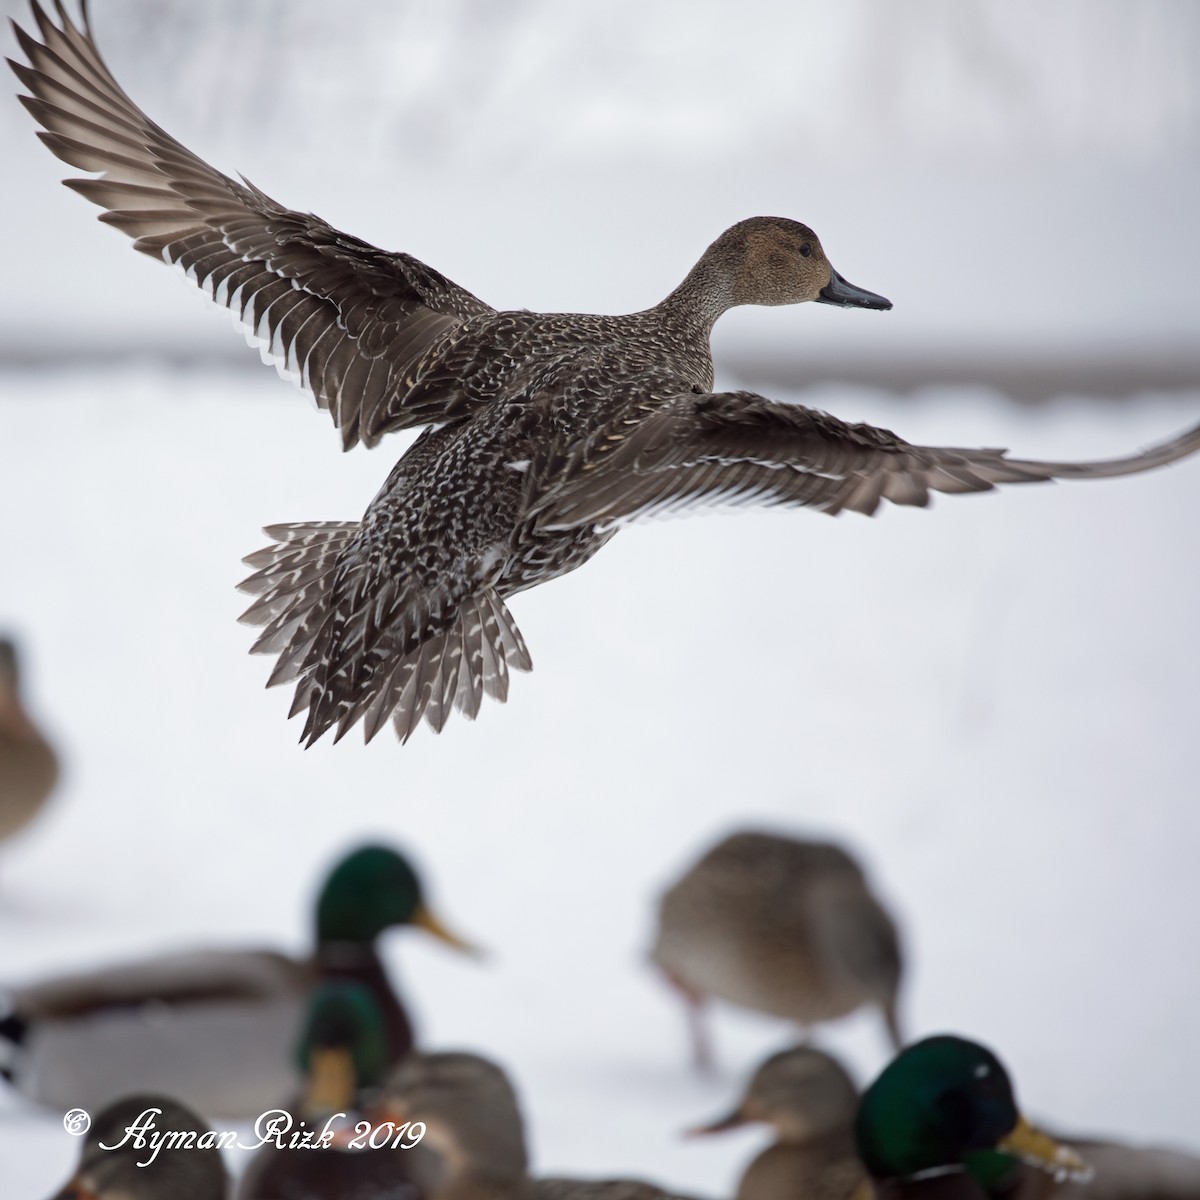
(214,1028)
(1120,1173)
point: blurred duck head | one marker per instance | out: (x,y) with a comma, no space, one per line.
(803,1093)
(119,1163)
(774,260)
(947,1103)
(343,1048)
(372,889)
(469,1109)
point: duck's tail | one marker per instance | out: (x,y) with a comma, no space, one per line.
(292,583)
(469,655)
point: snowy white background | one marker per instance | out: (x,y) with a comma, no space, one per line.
(994,702)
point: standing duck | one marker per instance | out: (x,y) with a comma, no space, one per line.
(28,764)
(779,926)
(544,433)
(113,1166)
(342,1053)
(473,1123)
(215,1028)
(810,1101)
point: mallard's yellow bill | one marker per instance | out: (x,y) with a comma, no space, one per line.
(425,919)
(332,1081)
(1032,1146)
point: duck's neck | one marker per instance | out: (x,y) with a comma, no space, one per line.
(14,719)
(701,298)
(839,1140)
(359,962)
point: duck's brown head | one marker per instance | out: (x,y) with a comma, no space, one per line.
(803,1092)
(773,260)
(468,1110)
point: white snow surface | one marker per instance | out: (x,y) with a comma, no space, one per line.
(994,702)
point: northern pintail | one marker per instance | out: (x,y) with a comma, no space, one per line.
(544,433)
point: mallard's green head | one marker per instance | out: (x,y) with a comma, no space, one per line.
(941,1102)
(371,890)
(343,1046)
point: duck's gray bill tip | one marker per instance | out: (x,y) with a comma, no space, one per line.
(838,291)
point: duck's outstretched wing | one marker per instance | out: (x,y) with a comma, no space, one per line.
(356,326)
(736,448)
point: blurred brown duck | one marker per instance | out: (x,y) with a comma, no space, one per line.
(127,1171)
(473,1123)
(544,433)
(810,1101)
(781,926)
(215,1028)
(28,764)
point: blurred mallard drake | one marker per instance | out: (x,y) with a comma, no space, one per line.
(197,1173)
(28,764)
(809,1099)
(473,1123)
(342,1055)
(941,1123)
(214,1028)
(780,926)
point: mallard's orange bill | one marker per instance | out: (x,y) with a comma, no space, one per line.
(424,919)
(1037,1149)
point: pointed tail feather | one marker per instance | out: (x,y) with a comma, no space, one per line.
(469,656)
(292,583)
(452,668)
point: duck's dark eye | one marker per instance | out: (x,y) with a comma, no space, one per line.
(805,250)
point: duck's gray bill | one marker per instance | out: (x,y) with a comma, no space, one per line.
(846,295)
